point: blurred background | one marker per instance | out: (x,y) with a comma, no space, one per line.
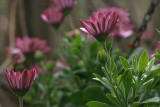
(28,22)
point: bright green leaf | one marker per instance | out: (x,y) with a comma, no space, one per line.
(153,84)
(124,62)
(152,74)
(143,61)
(158,51)
(127,81)
(157,56)
(114,71)
(134,63)
(150,65)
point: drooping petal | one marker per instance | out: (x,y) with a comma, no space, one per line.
(87,27)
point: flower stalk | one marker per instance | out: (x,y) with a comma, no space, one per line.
(20,102)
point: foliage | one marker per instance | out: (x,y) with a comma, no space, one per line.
(134,86)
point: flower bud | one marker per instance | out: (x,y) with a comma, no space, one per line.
(50,66)
(38,55)
(102,56)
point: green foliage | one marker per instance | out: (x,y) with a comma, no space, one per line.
(125,82)
(134,84)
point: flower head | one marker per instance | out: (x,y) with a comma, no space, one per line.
(31,45)
(123,28)
(52,17)
(100,26)
(21,82)
(65,6)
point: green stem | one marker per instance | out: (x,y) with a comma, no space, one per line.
(20,102)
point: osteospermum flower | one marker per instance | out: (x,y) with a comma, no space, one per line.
(52,17)
(20,83)
(100,26)
(123,28)
(65,6)
(31,45)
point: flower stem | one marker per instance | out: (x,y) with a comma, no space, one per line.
(20,102)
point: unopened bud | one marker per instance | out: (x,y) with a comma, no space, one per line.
(38,55)
(102,56)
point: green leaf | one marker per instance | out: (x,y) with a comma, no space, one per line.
(105,82)
(114,71)
(100,78)
(134,63)
(150,64)
(136,52)
(158,51)
(143,61)
(97,104)
(127,81)
(113,99)
(152,74)
(153,84)
(153,101)
(124,62)
(157,56)
(77,98)
(95,93)
(134,87)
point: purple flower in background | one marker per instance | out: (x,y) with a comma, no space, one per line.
(100,25)
(123,28)
(17,54)
(61,64)
(31,45)
(147,35)
(21,82)
(53,17)
(65,6)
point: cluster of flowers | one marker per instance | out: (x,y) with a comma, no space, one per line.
(55,16)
